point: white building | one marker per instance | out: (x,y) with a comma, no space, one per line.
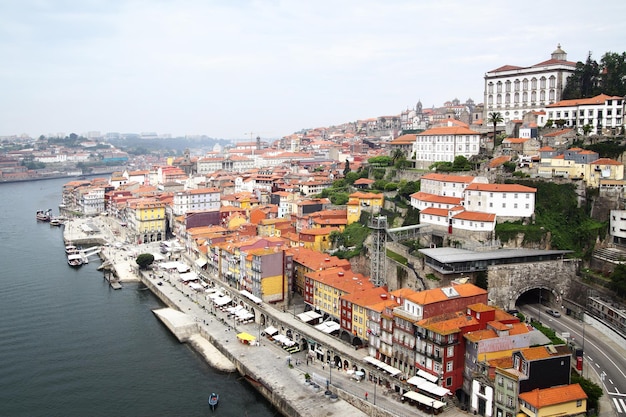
(91,200)
(446,184)
(201,199)
(514,91)
(459,219)
(444,144)
(504,200)
(618,226)
(605,114)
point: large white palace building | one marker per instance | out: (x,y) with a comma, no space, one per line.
(514,91)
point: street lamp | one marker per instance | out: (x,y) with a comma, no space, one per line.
(375,384)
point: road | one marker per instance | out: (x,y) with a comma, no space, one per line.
(604,357)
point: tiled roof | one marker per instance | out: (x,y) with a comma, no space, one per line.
(557,133)
(496,162)
(453,130)
(476,216)
(432,198)
(449,178)
(501,188)
(563,394)
(605,161)
(435,212)
(599,99)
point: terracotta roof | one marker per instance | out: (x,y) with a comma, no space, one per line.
(557,133)
(605,161)
(599,99)
(435,212)
(496,162)
(501,188)
(515,140)
(476,216)
(432,198)
(506,68)
(446,130)
(364,181)
(448,178)
(546,149)
(404,140)
(563,394)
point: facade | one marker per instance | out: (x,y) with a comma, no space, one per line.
(566,400)
(201,199)
(603,113)
(445,144)
(514,90)
(146,217)
(447,185)
(503,200)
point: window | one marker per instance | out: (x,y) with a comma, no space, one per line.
(503,205)
(449,366)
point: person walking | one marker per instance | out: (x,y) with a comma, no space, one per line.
(366,396)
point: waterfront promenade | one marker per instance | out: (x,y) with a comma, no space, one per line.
(276,371)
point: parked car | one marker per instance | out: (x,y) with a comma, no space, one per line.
(553,313)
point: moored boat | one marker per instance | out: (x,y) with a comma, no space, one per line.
(71,249)
(43,215)
(75,259)
(55,221)
(213,400)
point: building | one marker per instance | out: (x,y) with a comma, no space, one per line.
(565,400)
(200,199)
(514,90)
(512,201)
(603,114)
(444,144)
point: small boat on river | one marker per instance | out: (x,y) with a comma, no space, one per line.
(44,215)
(75,259)
(213,400)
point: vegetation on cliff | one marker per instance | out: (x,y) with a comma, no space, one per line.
(558,217)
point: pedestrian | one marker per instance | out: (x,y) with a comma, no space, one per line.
(365,396)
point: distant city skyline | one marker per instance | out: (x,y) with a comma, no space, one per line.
(232,70)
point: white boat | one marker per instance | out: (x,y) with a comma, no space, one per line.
(75,259)
(71,249)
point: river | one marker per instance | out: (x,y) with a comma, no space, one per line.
(71,346)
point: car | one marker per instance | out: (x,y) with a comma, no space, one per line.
(553,313)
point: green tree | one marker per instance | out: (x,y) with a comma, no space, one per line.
(613,77)
(495,118)
(583,82)
(587,128)
(351,177)
(560,123)
(618,280)
(339,199)
(382,160)
(397,154)
(144,260)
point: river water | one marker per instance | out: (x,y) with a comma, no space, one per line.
(71,346)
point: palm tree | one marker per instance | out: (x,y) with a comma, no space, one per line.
(495,117)
(396,154)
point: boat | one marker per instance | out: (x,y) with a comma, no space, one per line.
(56,221)
(75,259)
(71,250)
(44,215)
(213,400)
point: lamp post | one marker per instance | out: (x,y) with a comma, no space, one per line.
(375,384)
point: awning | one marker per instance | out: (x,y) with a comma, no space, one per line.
(188,276)
(195,286)
(328,327)
(246,336)
(222,301)
(271,330)
(427,376)
(424,399)
(308,316)
(251,297)
(416,380)
(382,365)
(201,262)
(434,389)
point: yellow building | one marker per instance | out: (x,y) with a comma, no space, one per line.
(361,201)
(323,289)
(564,400)
(146,218)
(317,239)
(355,308)
(603,169)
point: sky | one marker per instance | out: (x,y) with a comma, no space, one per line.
(237,69)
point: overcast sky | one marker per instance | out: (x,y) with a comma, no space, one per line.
(272,67)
